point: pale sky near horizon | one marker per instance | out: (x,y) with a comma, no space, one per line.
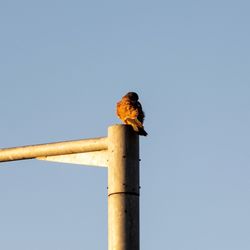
(65,64)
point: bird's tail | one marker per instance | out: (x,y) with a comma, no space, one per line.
(142,132)
(137,126)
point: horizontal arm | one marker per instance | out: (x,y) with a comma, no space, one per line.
(52,149)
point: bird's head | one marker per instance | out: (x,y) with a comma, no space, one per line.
(132,96)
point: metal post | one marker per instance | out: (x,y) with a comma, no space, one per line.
(123,188)
(122,146)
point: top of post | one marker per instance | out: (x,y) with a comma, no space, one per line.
(120,130)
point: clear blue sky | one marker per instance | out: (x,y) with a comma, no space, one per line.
(65,64)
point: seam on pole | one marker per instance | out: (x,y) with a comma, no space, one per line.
(129,193)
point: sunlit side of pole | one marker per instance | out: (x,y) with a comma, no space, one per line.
(123,188)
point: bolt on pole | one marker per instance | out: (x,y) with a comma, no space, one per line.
(123,188)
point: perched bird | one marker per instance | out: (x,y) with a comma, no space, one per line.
(129,110)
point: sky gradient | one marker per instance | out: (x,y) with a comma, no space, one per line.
(65,64)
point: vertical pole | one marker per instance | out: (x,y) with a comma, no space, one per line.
(123,188)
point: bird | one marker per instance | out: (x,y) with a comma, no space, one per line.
(129,110)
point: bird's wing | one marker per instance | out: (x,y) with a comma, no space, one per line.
(141,114)
(126,110)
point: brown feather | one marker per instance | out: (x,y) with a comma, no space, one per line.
(130,112)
